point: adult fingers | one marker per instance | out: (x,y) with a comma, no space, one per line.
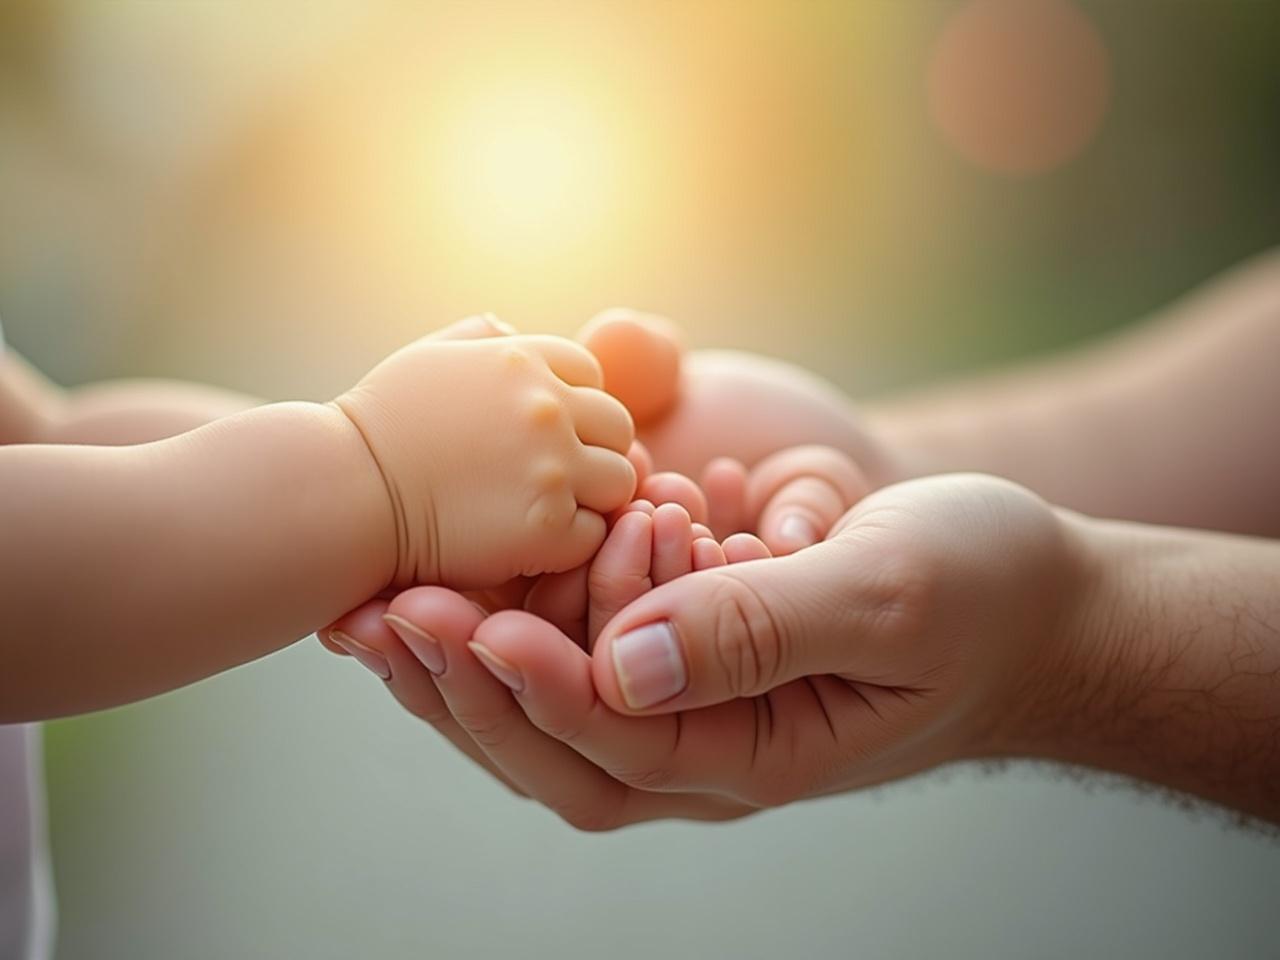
(562,599)
(399,653)
(736,756)
(735,631)
(663,757)
(475,684)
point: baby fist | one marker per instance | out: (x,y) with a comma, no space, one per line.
(499,456)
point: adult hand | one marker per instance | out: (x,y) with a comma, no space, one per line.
(901,642)
(692,408)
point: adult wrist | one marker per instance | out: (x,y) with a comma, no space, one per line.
(1050,706)
(1166,669)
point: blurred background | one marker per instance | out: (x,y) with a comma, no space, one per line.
(271,196)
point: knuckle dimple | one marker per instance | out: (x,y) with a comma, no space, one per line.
(551,476)
(515,356)
(542,409)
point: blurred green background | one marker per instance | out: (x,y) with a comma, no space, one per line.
(271,196)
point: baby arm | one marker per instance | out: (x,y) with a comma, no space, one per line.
(463,463)
(35,410)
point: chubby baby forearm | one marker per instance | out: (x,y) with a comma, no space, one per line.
(33,409)
(129,571)
(124,412)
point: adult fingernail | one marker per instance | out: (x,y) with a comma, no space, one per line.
(649,665)
(500,668)
(368,658)
(797,528)
(420,643)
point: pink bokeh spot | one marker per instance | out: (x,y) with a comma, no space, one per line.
(1019,86)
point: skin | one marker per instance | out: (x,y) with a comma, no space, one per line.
(35,410)
(1166,423)
(437,672)
(948,617)
(1023,631)
(192,554)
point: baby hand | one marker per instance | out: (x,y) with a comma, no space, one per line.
(647,546)
(790,499)
(499,456)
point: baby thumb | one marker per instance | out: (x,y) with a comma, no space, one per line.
(736,631)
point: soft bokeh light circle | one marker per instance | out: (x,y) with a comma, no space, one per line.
(526,166)
(1019,86)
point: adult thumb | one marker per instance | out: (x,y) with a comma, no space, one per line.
(729,632)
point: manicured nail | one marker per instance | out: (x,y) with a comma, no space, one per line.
(798,529)
(420,643)
(500,668)
(649,665)
(371,660)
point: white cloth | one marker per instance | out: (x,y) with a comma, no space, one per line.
(26,888)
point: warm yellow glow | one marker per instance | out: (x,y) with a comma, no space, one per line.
(526,171)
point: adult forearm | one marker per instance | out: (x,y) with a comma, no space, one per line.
(1172,423)
(1170,669)
(130,571)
